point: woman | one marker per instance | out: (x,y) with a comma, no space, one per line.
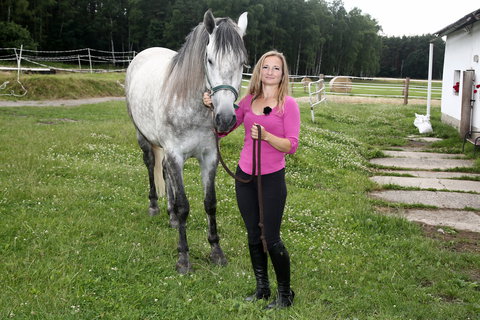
(268,105)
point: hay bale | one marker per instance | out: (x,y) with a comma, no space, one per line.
(341,85)
(305,82)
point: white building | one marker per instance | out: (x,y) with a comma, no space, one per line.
(461,75)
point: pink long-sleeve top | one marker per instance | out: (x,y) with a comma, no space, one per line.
(283,125)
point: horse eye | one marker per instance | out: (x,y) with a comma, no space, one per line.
(210,62)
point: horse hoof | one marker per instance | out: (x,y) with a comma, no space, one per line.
(183,266)
(218,257)
(153,211)
(184,269)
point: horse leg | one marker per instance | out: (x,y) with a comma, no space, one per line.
(181,208)
(149,160)
(170,200)
(209,168)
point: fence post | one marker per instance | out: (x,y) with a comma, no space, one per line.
(405,90)
(79,62)
(321,85)
(19,61)
(90,60)
(113,54)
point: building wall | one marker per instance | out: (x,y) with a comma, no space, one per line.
(460,49)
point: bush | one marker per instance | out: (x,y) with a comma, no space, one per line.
(13,35)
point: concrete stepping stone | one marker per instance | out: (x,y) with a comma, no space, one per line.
(430,183)
(422,164)
(424,139)
(433,174)
(461,220)
(451,204)
(440,199)
(422,155)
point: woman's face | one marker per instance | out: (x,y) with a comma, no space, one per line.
(272,70)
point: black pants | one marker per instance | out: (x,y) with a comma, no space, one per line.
(274,196)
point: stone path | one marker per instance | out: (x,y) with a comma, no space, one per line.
(455,195)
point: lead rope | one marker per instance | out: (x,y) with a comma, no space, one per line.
(260,190)
(256,164)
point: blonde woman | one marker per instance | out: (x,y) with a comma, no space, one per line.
(267,104)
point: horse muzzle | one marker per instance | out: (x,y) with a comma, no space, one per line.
(225,121)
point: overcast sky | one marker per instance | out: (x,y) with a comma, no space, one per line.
(413,17)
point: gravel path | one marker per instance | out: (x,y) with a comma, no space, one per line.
(56,103)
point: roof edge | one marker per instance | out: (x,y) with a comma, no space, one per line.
(469,19)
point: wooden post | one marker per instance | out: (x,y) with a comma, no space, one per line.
(466,111)
(405,90)
(90,60)
(113,53)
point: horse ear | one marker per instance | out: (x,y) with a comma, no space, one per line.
(242,23)
(209,21)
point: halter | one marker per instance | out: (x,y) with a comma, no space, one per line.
(220,87)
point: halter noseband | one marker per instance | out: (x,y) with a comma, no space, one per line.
(220,87)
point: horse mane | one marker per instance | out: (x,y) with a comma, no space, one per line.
(186,74)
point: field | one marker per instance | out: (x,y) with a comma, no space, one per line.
(76,241)
(74,86)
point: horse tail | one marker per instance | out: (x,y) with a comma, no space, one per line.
(158,170)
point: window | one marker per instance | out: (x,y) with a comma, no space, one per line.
(456,82)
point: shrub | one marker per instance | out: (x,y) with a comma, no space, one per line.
(13,35)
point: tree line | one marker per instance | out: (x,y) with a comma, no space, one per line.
(316,36)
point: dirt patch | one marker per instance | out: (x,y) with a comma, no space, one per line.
(454,240)
(451,239)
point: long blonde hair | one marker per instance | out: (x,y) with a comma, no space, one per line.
(256,89)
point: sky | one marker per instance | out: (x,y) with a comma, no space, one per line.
(413,17)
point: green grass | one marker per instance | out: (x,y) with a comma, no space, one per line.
(76,241)
(62,85)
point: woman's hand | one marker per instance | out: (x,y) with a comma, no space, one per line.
(281,144)
(207,100)
(254,132)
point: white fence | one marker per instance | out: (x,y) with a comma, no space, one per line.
(92,61)
(87,60)
(373,87)
(316,94)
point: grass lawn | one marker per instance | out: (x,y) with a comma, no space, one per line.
(76,241)
(61,85)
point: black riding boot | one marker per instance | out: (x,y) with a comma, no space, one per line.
(260,269)
(281,264)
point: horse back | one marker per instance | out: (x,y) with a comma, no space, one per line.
(143,83)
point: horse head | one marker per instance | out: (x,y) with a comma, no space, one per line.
(224,59)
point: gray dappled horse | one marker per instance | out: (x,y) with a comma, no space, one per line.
(164,92)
